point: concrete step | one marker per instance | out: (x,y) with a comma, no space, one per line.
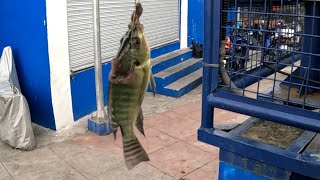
(183,85)
(177,72)
(185,81)
(171,59)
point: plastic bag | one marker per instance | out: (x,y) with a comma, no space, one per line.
(15,119)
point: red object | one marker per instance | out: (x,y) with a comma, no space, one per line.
(276,8)
(227,45)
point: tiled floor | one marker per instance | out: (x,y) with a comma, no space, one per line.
(171,142)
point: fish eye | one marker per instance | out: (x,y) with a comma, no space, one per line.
(136,42)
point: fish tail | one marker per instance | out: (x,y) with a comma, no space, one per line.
(132,150)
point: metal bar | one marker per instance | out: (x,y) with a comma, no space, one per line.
(207,112)
(233,60)
(98,65)
(267,110)
(261,152)
(216,39)
(300,143)
(275,2)
(258,73)
(244,126)
(292,62)
(311,44)
(286,51)
(216,42)
(270,31)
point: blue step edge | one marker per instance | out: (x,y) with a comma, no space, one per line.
(171,62)
(177,93)
(99,128)
(177,75)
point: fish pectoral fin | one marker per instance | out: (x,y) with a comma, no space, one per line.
(133,152)
(139,122)
(128,79)
(153,85)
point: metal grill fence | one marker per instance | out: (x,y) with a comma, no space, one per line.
(273,41)
(263,42)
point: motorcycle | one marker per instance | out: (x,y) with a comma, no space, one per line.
(237,60)
(274,44)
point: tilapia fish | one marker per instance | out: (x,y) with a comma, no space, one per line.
(128,81)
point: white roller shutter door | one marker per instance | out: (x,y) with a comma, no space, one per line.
(161,19)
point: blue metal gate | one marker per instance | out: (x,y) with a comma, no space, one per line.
(276,38)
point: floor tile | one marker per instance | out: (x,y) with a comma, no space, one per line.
(90,139)
(106,143)
(59,170)
(228,117)
(195,115)
(188,108)
(23,161)
(156,104)
(94,162)
(193,140)
(180,127)
(208,172)
(180,159)
(4,175)
(6,150)
(142,171)
(66,149)
(160,118)
(153,141)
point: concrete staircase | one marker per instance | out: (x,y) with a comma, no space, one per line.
(176,73)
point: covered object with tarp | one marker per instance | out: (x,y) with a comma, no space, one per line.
(15,119)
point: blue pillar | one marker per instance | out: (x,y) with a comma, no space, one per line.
(195,20)
(207,112)
(232,17)
(311,44)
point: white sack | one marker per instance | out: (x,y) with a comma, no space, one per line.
(15,119)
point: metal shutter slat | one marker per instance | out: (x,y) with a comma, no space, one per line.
(161,20)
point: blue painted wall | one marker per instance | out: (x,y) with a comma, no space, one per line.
(232,16)
(156,52)
(23,28)
(195,20)
(83,91)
